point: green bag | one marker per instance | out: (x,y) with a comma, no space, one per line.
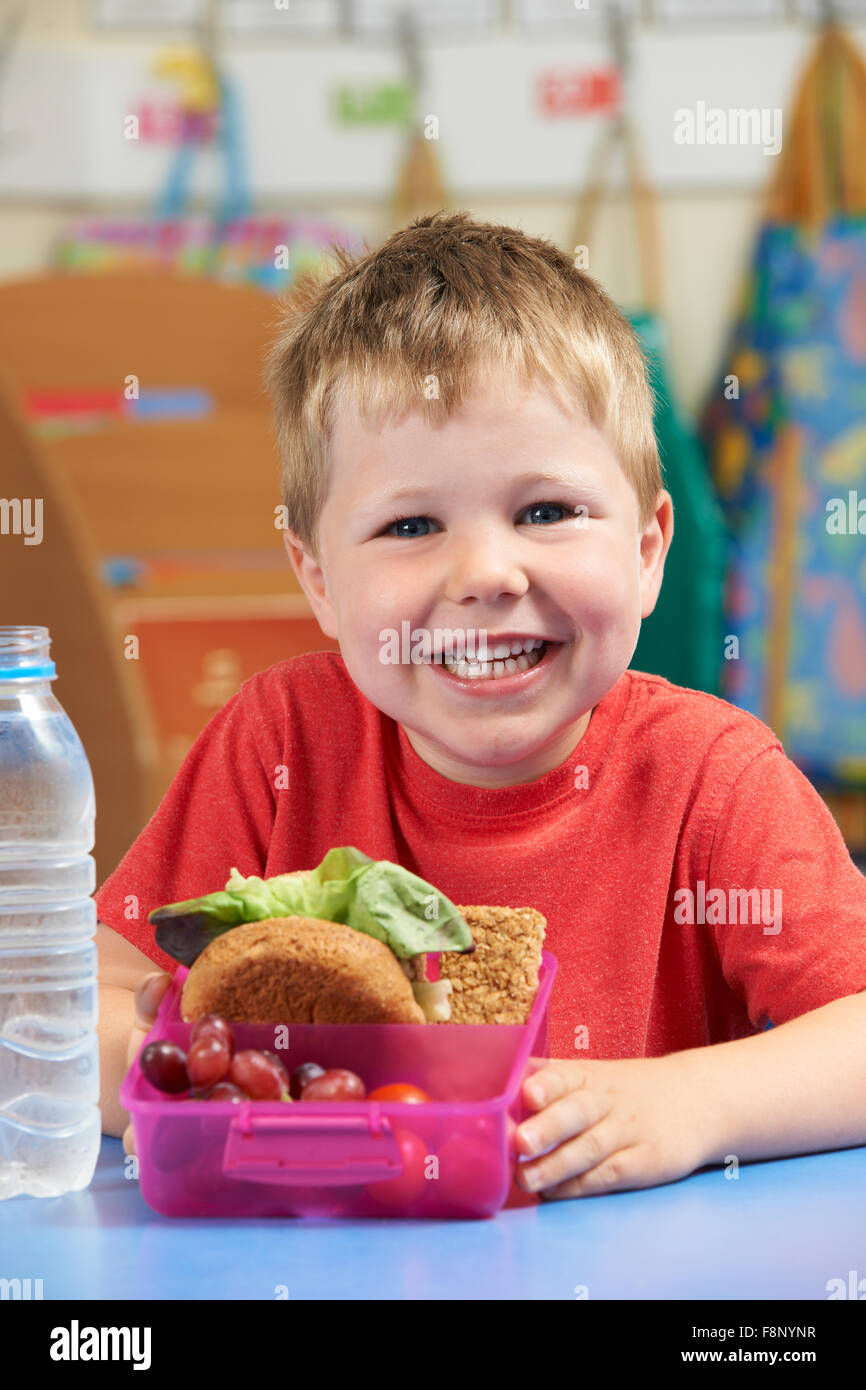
(682,639)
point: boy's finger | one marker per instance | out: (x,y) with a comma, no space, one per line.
(578,1158)
(149,993)
(562,1120)
(137,1036)
(552,1081)
(128,1140)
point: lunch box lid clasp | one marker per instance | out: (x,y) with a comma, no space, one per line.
(311,1149)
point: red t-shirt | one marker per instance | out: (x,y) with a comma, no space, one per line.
(669,790)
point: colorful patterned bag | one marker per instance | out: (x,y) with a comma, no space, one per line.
(787,438)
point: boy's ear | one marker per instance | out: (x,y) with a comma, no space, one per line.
(655,543)
(312,580)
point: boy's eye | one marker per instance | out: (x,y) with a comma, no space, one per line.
(540,513)
(412,522)
(545,508)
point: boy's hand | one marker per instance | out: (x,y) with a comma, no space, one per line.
(613,1125)
(148,996)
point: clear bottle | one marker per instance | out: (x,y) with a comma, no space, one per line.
(49,1058)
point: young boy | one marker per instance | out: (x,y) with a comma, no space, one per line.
(466,432)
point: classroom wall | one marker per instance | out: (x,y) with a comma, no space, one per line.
(705,239)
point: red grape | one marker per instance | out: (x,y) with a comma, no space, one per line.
(302,1075)
(281,1067)
(164,1065)
(208,1060)
(336,1084)
(224,1090)
(261,1076)
(213,1025)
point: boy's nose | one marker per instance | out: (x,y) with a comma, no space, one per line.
(484,569)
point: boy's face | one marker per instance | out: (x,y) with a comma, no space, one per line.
(482,551)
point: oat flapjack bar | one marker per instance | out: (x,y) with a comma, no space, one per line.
(498,981)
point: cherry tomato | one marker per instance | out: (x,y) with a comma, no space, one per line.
(400,1091)
(471,1173)
(412,1183)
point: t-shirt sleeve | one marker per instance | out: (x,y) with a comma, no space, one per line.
(806,946)
(217,814)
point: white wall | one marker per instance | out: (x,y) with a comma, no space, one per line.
(707,227)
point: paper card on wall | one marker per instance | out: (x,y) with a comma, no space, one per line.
(576,91)
(386,103)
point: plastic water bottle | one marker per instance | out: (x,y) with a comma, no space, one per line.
(49,1059)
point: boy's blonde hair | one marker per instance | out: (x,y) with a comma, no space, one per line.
(444,305)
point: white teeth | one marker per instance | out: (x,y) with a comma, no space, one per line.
(500,651)
(478,670)
(530,653)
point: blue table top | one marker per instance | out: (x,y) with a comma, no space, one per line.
(782,1229)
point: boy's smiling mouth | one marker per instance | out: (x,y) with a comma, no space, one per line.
(509,664)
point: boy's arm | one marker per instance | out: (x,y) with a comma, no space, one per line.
(121,966)
(798,1088)
(801,1085)
(604,1126)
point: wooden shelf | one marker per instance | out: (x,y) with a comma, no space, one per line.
(192,500)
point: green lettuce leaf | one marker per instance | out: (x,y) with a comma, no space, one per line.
(374,896)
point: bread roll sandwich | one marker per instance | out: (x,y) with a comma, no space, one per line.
(348,942)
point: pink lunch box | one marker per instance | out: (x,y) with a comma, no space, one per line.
(452,1157)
